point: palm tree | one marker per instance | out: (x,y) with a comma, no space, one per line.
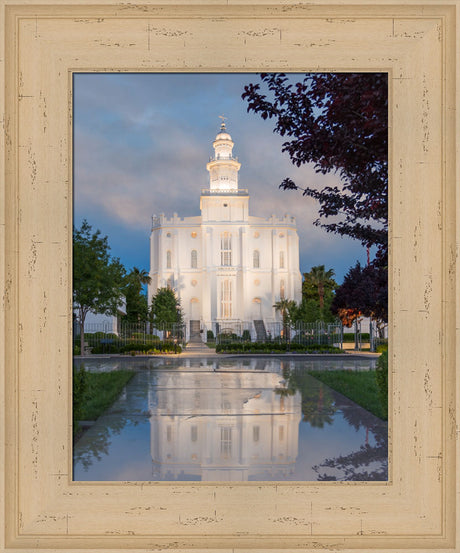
(286,308)
(321,278)
(139,276)
(136,302)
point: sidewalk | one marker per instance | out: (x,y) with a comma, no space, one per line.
(198,349)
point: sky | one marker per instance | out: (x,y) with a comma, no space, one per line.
(141,144)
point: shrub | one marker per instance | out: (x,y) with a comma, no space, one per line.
(273,347)
(210,336)
(350,336)
(76,350)
(246,335)
(135,346)
(152,338)
(227,337)
(142,337)
(114,347)
(162,347)
(381,376)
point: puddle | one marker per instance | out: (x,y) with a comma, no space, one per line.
(232,419)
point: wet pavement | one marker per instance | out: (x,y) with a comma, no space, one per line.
(232,419)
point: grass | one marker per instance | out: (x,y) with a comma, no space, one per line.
(101,390)
(359,386)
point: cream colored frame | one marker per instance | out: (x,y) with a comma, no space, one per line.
(44,44)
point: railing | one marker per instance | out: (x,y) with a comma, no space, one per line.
(222,158)
(100,337)
(225,192)
(234,331)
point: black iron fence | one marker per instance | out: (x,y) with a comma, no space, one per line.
(100,337)
(318,333)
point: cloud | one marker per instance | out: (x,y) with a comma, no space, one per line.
(141,144)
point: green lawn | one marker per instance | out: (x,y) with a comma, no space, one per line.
(359,386)
(100,391)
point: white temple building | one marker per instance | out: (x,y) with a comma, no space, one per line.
(226,266)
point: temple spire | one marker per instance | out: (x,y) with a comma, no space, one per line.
(223,167)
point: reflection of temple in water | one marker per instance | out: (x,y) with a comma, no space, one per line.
(225,424)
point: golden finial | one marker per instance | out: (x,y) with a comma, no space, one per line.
(222,125)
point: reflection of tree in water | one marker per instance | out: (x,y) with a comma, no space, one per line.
(318,405)
(97,446)
(370,462)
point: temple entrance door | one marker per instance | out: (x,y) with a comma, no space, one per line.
(195,328)
(195,325)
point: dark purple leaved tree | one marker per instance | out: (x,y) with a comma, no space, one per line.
(338,122)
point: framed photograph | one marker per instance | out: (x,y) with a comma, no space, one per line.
(222,263)
(46,45)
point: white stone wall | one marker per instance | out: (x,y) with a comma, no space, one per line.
(99,322)
(225,208)
(199,289)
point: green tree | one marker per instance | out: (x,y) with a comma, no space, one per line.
(165,309)
(98,279)
(136,300)
(287,309)
(309,311)
(318,289)
(321,280)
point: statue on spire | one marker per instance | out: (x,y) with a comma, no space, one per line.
(222,125)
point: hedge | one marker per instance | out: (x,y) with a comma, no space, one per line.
(381,376)
(119,346)
(268,347)
(350,336)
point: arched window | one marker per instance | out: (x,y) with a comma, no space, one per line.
(282,290)
(256,259)
(281,260)
(194,259)
(168,259)
(226,249)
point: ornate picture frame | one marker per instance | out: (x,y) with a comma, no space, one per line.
(45,43)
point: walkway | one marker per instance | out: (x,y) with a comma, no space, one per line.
(198,349)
